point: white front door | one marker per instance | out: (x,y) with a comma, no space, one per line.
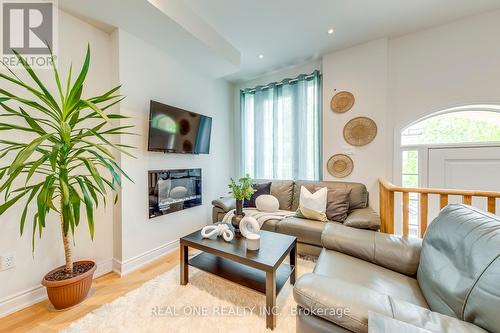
(467,168)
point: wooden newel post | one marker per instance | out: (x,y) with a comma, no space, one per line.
(390,212)
(386,203)
(382,207)
(424,212)
(406,213)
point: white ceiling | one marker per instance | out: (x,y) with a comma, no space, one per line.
(289,32)
(170,25)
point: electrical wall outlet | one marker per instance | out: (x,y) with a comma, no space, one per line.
(7,261)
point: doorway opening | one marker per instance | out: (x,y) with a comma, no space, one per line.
(453,148)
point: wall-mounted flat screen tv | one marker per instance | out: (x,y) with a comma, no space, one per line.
(174,130)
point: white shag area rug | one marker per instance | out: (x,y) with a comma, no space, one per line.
(206,304)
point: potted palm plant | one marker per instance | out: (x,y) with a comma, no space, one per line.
(61,161)
(241,190)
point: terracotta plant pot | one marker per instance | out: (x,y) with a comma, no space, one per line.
(67,293)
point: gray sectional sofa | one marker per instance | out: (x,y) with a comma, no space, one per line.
(308,232)
(449,283)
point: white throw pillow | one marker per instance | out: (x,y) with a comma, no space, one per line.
(313,205)
(267,203)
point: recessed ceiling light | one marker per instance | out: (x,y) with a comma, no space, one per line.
(261,56)
(331,31)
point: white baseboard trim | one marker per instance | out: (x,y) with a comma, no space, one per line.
(104,267)
(117,265)
(23,299)
(125,267)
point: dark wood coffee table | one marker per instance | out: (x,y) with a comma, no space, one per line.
(262,270)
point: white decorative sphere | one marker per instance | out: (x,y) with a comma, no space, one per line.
(267,203)
(178,192)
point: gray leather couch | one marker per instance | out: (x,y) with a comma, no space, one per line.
(448,283)
(308,232)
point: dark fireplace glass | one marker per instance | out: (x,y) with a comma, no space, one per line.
(173,190)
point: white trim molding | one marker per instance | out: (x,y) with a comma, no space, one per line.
(127,266)
(23,299)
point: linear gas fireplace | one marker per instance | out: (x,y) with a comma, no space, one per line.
(173,190)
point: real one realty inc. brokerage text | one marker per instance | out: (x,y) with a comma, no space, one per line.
(240,311)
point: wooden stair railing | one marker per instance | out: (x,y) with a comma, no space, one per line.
(387,191)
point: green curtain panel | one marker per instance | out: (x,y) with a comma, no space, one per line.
(281,129)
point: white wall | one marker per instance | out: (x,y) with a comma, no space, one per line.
(24,280)
(432,70)
(443,67)
(398,81)
(395,82)
(148,73)
(362,70)
(124,232)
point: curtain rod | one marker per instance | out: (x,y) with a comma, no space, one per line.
(282,82)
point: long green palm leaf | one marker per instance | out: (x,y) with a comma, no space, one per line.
(69,159)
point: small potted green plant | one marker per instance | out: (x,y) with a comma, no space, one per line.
(59,160)
(241,190)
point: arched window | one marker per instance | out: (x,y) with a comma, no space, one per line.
(457,127)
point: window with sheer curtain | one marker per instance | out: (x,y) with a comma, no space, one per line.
(281,129)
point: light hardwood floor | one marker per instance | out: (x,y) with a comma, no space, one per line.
(37,318)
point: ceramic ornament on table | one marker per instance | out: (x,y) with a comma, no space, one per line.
(253,242)
(249,225)
(221,229)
